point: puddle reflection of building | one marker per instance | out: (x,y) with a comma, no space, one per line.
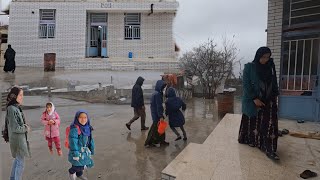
(9,78)
(140,154)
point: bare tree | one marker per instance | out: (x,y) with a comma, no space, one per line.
(210,64)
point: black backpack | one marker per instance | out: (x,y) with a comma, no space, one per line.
(4,132)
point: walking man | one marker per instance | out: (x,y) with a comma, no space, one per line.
(137,103)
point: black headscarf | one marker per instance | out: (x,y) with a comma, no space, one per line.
(264,71)
(12,96)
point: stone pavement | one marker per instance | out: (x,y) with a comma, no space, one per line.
(222,157)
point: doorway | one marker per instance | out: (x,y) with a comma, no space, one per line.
(96,35)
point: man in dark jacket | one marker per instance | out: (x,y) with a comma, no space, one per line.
(137,103)
(9,56)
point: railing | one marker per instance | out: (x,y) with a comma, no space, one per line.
(300,65)
(132,32)
(46,30)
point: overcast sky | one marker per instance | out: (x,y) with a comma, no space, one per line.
(198,20)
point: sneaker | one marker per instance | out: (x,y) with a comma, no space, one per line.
(59,151)
(164,143)
(144,128)
(185,138)
(72,176)
(178,138)
(128,126)
(51,151)
(82,178)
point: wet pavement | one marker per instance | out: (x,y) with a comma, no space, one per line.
(120,153)
(36,77)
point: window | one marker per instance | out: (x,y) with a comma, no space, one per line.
(4,38)
(132,22)
(300,65)
(301,11)
(47,23)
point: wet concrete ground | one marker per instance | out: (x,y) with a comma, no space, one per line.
(36,77)
(120,153)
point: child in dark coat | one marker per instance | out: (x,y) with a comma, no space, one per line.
(176,117)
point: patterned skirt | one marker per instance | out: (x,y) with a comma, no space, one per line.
(261,131)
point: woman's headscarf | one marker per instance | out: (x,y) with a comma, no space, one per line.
(264,71)
(52,109)
(12,96)
(85,129)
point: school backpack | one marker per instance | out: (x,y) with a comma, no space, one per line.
(66,142)
(4,132)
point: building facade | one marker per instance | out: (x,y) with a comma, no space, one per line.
(294,37)
(82,32)
(3,43)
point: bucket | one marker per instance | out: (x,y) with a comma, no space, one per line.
(225,102)
(130,55)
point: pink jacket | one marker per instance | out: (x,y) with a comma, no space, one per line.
(51,131)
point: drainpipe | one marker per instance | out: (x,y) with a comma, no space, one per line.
(151,10)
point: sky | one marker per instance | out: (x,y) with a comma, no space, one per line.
(245,20)
(198,20)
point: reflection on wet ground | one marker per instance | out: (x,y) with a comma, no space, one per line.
(120,154)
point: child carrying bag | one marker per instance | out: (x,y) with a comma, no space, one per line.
(162,125)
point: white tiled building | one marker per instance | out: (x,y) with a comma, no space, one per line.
(79,31)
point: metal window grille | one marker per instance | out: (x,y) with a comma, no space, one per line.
(304,11)
(132,26)
(47,23)
(300,65)
(99,18)
(94,37)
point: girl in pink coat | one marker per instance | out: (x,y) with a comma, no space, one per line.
(51,121)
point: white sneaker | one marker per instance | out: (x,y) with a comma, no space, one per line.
(82,178)
(72,176)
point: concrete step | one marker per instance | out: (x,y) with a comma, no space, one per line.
(216,158)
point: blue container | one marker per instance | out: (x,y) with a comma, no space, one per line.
(130,55)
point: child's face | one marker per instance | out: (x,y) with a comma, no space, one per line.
(49,108)
(83,119)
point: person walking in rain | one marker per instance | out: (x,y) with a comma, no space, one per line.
(137,103)
(157,113)
(9,56)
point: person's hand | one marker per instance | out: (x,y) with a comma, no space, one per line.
(76,158)
(28,128)
(49,122)
(53,122)
(258,103)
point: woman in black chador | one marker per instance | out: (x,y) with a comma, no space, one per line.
(259,123)
(10,64)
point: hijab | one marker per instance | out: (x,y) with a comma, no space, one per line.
(264,71)
(52,109)
(85,129)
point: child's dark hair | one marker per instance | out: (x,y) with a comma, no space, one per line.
(48,105)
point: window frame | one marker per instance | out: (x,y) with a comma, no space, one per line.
(132,27)
(47,24)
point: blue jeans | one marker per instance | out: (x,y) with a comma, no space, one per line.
(17,168)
